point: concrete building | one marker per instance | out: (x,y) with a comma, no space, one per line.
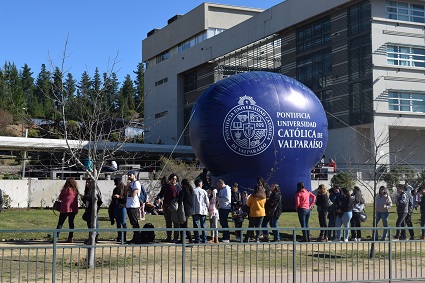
(365,60)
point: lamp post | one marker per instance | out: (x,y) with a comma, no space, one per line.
(23,108)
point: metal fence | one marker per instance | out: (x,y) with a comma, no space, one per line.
(285,261)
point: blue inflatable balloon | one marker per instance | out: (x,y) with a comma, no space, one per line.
(259,124)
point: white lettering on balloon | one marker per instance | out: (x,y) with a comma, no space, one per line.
(297,131)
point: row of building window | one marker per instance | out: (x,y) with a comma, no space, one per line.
(160,82)
(404,11)
(405,56)
(404,101)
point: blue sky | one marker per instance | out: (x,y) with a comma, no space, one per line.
(35,32)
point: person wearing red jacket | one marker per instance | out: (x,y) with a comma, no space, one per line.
(304,202)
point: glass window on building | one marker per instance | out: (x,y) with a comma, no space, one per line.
(406,101)
(190,81)
(358,17)
(314,35)
(406,56)
(405,11)
(361,102)
(315,69)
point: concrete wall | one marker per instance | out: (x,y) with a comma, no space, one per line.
(42,193)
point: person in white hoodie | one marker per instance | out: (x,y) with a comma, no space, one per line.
(199,211)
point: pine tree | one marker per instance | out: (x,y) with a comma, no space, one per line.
(69,89)
(41,94)
(11,96)
(126,99)
(139,83)
(111,89)
(27,82)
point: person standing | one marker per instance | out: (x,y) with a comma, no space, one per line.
(186,199)
(168,193)
(402,210)
(225,207)
(256,203)
(304,202)
(213,212)
(408,219)
(133,204)
(383,203)
(421,203)
(199,211)
(204,178)
(358,202)
(322,201)
(235,195)
(275,200)
(88,199)
(344,212)
(333,195)
(119,200)
(69,206)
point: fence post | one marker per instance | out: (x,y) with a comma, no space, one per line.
(183,238)
(55,242)
(390,255)
(294,256)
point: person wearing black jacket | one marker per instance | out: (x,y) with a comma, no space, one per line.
(88,200)
(186,199)
(275,201)
(421,203)
(118,208)
(322,202)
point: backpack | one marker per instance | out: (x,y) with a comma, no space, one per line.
(143,196)
(147,236)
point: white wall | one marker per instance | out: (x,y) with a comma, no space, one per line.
(42,193)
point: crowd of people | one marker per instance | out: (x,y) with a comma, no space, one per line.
(179,202)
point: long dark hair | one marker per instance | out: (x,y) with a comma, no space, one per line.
(187,186)
(300,186)
(358,196)
(259,192)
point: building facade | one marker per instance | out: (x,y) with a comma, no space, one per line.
(365,60)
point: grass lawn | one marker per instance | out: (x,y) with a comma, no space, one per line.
(36,219)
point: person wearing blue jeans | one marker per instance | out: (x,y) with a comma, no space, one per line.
(303,217)
(343,209)
(344,220)
(225,205)
(383,203)
(199,221)
(304,202)
(200,206)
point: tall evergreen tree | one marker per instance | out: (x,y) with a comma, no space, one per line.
(69,89)
(139,83)
(84,95)
(126,99)
(111,89)
(57,93)
(11,96)
(42,94)
(27,82)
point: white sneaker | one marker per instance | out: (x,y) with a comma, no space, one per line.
(359,239)
(345,240)
(354,239)
(225,241)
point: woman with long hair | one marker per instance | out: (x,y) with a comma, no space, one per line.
(256,203)
(383,203)
(186,199)
(358,203)
(322,208)
(119,199)
(344,212)
(304,202)
(69,206)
